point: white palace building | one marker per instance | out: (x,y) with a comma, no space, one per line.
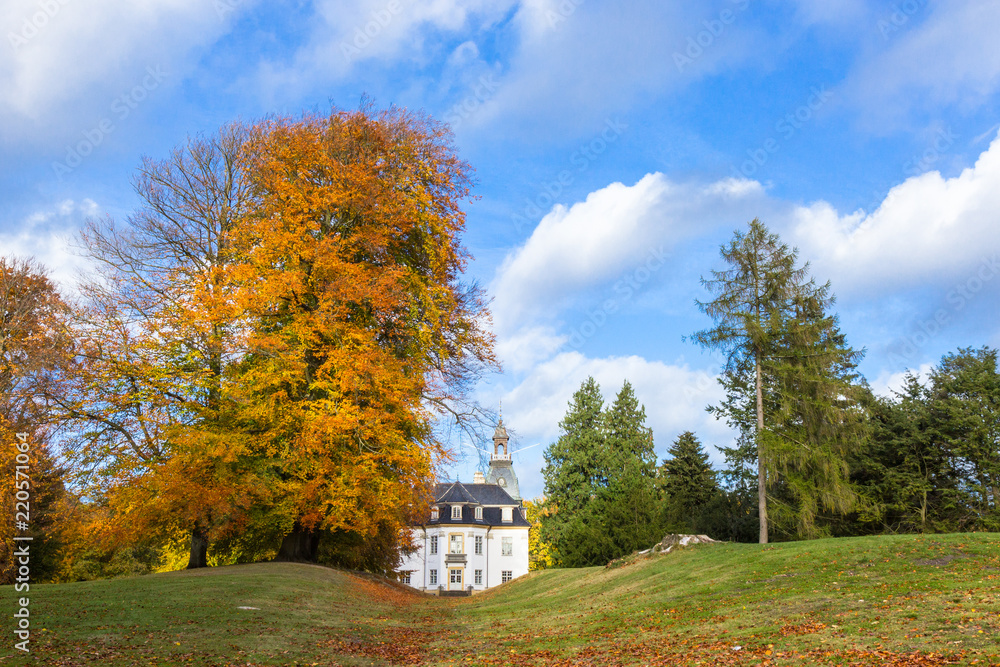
(477,534)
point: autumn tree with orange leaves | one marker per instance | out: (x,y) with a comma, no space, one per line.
(361,332)
(157,448)
(273,337)
(35,349)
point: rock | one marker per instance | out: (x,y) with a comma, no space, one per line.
(663,547)
(672,540)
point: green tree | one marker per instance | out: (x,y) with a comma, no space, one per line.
(817,420)
(628,504)
(965,395)
(574,470)
(904,473)
(688,483)
(788,376)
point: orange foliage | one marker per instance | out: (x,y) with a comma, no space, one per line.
(360,326)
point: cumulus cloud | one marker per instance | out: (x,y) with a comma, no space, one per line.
(888,383)
(674,395)
(617,227)
(927,228)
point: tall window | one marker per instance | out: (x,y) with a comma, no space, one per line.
(456,544)
(507,514)
(406,577)
(456,512)
(434,545)
(479,514)
(506,546)
(506,575)
(434,577)
(479,578)
(434,514)
(479,545)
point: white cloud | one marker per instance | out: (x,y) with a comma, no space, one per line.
(615,228)
(62,51)
(927,228)
(47,236)
(887,382)
(578,62)
(674,396)
(937,53)
(348,33)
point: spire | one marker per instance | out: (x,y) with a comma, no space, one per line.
(500,439)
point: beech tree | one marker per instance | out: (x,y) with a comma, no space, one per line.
(157,338)
(35,351)
(360,329)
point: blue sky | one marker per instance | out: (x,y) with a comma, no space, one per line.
(616,146)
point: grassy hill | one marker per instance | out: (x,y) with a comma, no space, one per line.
(900,600)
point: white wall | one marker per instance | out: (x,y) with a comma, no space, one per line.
(491,562)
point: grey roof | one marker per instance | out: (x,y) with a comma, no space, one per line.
(492,516)
(469,496)
(482,494)
(455,493)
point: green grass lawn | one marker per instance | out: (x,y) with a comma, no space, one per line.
(900,600)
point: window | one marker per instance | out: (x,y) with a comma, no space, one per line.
(434,514)
(479,577)
(506,575)
(406,577)
(479,545)
(456,544)
(456,512)
(506,546)
(434,577)
(479,514)
(434,545)
(456,577)
(507,514)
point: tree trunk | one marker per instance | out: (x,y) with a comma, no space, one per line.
(199,549)
(299,545)
(761,473)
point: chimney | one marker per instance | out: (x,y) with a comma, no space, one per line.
(478,478)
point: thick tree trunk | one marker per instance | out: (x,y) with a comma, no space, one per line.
(761,473)
(299,545)
(199,549)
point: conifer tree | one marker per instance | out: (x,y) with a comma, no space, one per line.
(688,483)
(628,504)
(573,470)
(790,371)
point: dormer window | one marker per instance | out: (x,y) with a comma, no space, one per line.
(507,514)
(456,512)
(479,514)
(434,514)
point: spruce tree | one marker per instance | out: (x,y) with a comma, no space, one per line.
(573,471)
(629,502)
(689,483)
